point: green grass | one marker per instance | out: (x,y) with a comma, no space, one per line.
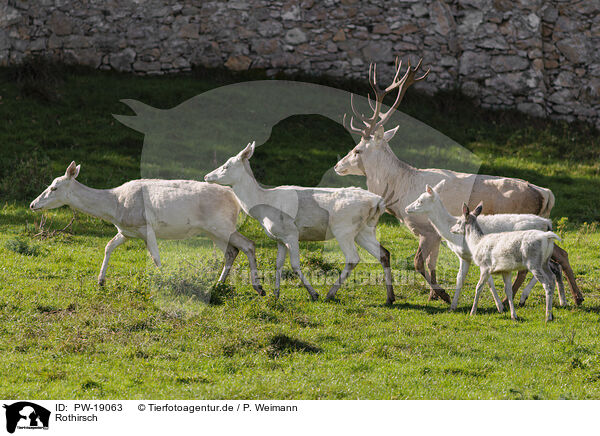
(172,334)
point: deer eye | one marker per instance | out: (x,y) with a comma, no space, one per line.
(357,151)
(53,188)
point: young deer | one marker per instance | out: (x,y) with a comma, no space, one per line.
(502,253)
(152,209)
(399,183)
(430,205)
(290,214)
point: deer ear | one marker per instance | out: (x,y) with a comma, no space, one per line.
(478,209)
(247,152)
(465,209)
(437,188)
(379,133)
(387,136)
(72,171)
(429,189)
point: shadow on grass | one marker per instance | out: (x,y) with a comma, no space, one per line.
(411,306)
(589,309)
(282,344)
(432,310)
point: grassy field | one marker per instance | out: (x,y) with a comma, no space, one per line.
(170,334)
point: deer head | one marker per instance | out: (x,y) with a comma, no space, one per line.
(232,171)
(371,128)
(57,194)
(467,219)
(426,201)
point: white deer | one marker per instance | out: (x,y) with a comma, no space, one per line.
(152,209)
(290,214)
(430,204)
(502,253)
(399,183)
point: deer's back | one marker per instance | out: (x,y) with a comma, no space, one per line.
(512,251)
(510,222)
(176,208)
(499,194)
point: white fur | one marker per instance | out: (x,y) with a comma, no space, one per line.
(292,213)
(506,252)
(153,209)
(400,183)
(430,205)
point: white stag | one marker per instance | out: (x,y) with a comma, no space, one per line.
(430,204)
(502,253)
(290,214)
(152,209)
(400,183)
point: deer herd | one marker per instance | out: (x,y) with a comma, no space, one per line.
(513,235)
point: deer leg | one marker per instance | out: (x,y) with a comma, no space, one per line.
(367,239)
(240,242)
(521,275)
(152,245)
(294,249)
(112,244)
(527,291)
(352,259)
(431,262)
(281,252)
(556,270)
(544,276)
(508,290)
(423,254)
(463,269)
(483,278)
(561,257)
(420,267)
(497,301)
(231,253)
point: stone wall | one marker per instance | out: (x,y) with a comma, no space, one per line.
(542,57)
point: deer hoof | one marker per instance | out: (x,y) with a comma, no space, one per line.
(101,282)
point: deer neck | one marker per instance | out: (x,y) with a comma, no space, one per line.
(442,221)
(473,234)
(248,191)
(386,174)
(100,203)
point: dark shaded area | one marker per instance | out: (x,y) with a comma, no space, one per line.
(221,292)
(56,113)
(281,344)
(301,149)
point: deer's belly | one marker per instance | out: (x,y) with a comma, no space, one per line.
(183,231)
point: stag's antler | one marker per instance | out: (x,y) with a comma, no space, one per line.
(378,119)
